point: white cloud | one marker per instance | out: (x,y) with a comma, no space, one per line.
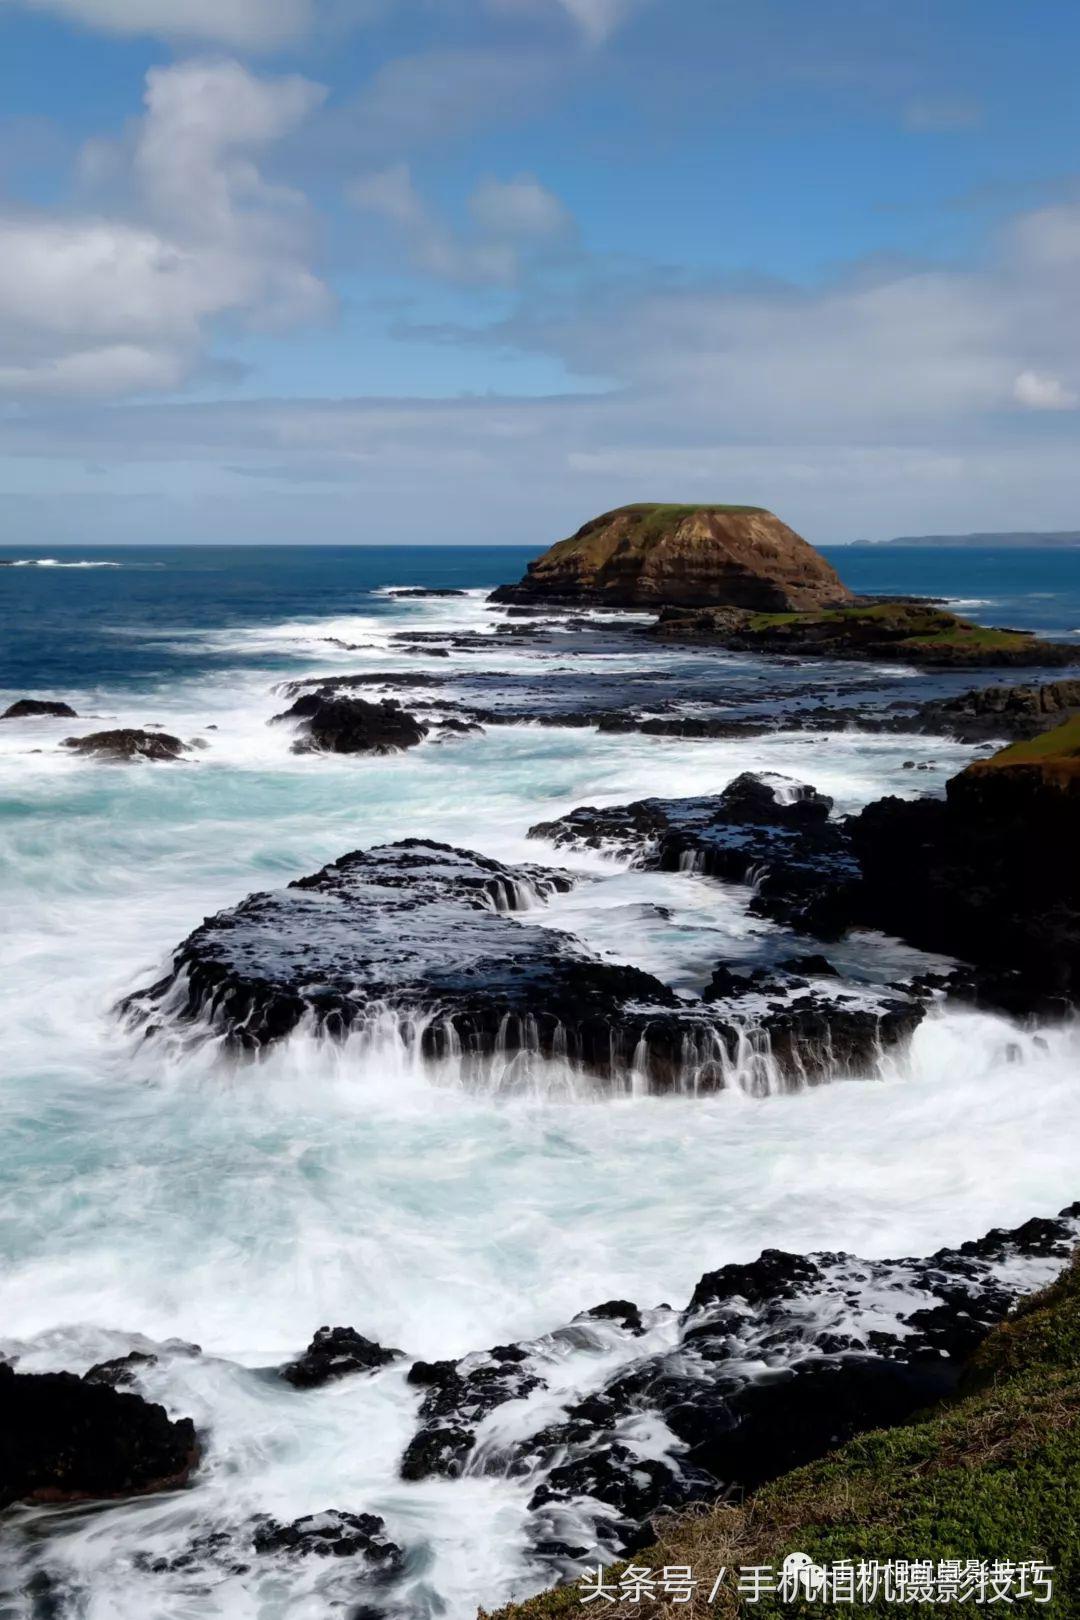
(519,209)
(241,24)
(112,303)
(596,19)
(1040,392)
(514,217)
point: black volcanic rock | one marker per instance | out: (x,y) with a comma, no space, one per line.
(374,931)
(459,1395)
(776,1361)
(121,1370)
(416,592)
(996,712)
(762,829)
(336,1353)
(369,938)
(64,1439)
(26,708)
(127,743)
(329,1535)
(344,725)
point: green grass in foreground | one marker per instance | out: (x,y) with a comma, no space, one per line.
(994,1474)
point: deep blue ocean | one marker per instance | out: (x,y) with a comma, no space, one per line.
(82,625)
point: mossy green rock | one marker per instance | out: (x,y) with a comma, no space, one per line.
(652,555)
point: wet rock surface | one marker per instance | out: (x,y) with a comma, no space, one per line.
(121,1371)
(30,708)
(335,725)
(329,1535)
(772,1363)
(769,832)
(419,592)
(66,1439)
(459,1395)
(332,1534)
(365,941)
(336,1353)
(127,743)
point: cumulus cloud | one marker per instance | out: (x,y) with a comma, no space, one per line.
(124,301)
(519,209)
(243,24)
(513,218)
(1040,392)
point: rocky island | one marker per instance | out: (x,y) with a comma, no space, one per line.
(654,555)
(737,577)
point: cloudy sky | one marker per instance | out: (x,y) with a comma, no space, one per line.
(472,270)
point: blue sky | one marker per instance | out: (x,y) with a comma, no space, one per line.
(472,270)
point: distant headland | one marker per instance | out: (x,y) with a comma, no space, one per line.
(1019,539)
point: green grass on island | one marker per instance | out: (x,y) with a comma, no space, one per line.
(1062,743)
(906,624)
(993,1474)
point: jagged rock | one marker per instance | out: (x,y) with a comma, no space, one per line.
(815,965)
(996,712)
(777,1361)
(329,1535)
(332,1534)
(63,1439)
(647,555)
(121,1370)
(623,1311)
(766,829)
(127,744)
(336,1353)
(459,1395)
(26,708)
(338,725)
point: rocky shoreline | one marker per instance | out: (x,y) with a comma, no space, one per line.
(770,1364)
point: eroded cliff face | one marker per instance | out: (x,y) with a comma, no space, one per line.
(700,556)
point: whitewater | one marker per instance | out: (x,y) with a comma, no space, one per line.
(154,1193)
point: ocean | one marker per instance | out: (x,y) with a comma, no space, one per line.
(152,1193)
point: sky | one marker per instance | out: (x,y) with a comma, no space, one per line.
(471,271)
